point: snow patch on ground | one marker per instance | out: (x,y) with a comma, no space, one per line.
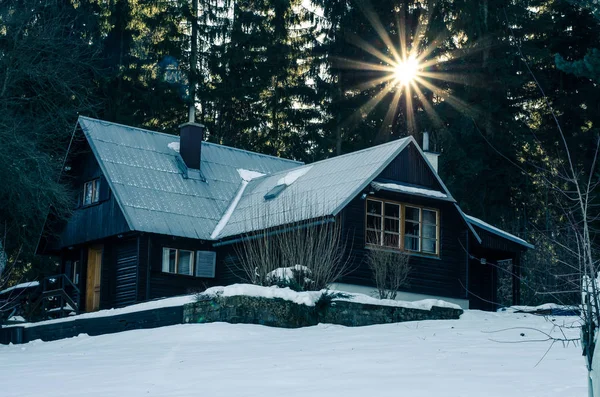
(394,187)
(155,304)
(292,176)
(174,146)
(450,358)
(425,304)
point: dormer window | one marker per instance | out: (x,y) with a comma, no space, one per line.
(91,192)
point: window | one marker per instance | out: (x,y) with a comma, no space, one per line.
(402,226)
(91,192)
(189,263)
(75,277)
(177,261)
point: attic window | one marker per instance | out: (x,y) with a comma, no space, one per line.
(286,181)
(91,192)
(275,192)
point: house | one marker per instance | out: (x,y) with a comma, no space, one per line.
(160,215)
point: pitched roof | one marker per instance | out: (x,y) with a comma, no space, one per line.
(318,190)
(242,191)
(498,232)
(144,175)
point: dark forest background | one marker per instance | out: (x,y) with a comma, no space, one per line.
(270,79)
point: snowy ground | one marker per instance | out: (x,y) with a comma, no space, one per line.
(427,358)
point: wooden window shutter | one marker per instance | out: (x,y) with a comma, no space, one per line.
(104,189)
(205,264)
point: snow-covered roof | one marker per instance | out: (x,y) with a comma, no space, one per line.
(409,189)
(313,191)
(240,191)
(499,232)
(143,169)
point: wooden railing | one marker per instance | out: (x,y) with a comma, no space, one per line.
(60,297)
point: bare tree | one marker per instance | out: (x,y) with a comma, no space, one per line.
(314,245)
(574,187)
(390,271)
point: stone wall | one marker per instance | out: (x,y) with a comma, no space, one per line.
(286,314)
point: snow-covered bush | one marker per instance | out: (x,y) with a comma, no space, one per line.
(296,277)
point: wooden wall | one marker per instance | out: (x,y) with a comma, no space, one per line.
(443,276)
(96,221)
(165,284)
(410,167)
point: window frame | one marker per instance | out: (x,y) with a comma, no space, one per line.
(95,185)
(194,254)
(177,256)
(402,234)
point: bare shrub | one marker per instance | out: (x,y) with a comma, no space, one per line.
(315,244)
(390,271)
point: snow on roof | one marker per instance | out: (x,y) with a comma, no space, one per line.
(293,175)
(247,176)
(30,284)
(144,172)
(499,232)
(318,190)
(402,188)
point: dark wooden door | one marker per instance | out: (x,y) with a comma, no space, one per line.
(126,273)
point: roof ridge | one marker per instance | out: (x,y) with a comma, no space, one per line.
(203,142)
(395,141)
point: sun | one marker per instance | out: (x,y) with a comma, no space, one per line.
(410,69)
(406,71)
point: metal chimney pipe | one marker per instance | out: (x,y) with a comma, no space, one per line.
(425,141)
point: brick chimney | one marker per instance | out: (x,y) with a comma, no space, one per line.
(191,136)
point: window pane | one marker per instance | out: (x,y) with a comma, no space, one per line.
(87,193)
(373,222)
(429,246)
(411,228)
(374,207)
(411,243)
(185,262)
(392,225)
(392,210)
(392,240)
(429,231)
(429,217)
(96,190)
(373,237)
(168,263)
(412,213)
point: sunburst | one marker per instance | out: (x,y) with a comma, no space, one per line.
(406,70)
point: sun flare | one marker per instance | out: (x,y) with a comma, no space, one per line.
(406,71)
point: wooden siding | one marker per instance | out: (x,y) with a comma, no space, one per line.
(410,167)
(126,272)
(443,276)
(96,221)
(166,284)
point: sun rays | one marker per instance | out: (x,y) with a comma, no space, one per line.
(406,68)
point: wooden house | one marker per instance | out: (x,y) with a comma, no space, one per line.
(159,215)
